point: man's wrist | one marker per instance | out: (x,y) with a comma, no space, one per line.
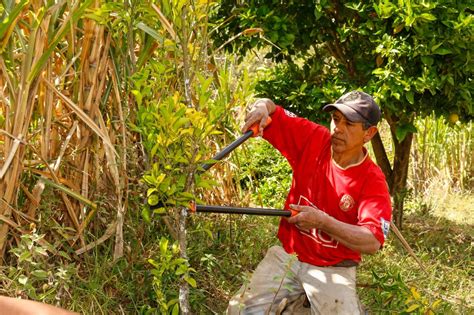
(325,221)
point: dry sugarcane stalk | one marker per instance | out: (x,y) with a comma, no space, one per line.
(407,246)
(10,183)
(39,187)
(108,233)
(123,193)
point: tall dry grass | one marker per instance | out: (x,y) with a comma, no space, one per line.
(63,122)
(442,159)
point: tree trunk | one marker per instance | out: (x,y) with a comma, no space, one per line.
(398,190)
(183,286)
(397,176)
(182,232)
(381,157)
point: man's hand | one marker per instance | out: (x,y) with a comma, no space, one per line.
(308,217)
(15,306)
(358,238)
(260,111)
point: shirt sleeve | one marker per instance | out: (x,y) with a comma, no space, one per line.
(290,134)
(375,209)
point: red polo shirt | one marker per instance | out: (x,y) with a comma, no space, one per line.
(356,195)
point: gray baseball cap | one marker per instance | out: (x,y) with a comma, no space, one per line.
(357,106)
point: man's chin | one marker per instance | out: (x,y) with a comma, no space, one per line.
(336,146)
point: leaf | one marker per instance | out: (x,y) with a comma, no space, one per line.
(163,246)
(64,254)
(186,195)
(175,310)
(150,31)
(404,129)
(379,60)
(146,215)
(398,28)
(153,200)
(8,23)
(303,87)
(436,304)
(181,269)
(153,262)
(410,97)
(252,31)
(412,308)
(24,256)
(427,60)
(180,122)
(442,51)
(41,251)
(150,191)
(41,274)
(23,279)
(415,293)
(191,281)
(428,17)
(160,210)
(71,193)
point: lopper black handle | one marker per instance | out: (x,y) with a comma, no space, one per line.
(252,132)
(240,210)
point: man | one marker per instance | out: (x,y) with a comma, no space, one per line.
(343,210)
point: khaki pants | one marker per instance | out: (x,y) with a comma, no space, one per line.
(281,284)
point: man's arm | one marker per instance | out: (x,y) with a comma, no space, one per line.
(355,237)
(10,305)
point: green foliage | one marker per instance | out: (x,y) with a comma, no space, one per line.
(35,275)
(415,57)
(393,293)
(267,174)
(185,100)
(174,125)
(290,86)
(176,152)
(166,271)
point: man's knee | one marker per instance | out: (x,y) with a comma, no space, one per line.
(275,250)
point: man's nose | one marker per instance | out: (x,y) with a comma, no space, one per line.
(337,127)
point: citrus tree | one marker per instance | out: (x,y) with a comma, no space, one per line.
(413,56)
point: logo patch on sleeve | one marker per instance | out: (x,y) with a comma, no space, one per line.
(385,225)
(289,114)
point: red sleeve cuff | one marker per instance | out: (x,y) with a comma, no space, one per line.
(376,232)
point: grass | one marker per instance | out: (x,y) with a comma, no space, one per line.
(445,248)
(225,249)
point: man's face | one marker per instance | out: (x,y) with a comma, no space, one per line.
(347,136)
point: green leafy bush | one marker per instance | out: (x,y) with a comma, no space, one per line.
(35,274)
(266,173)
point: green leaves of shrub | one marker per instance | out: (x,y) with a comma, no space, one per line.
(167,268)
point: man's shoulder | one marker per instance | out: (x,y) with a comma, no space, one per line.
(372,175)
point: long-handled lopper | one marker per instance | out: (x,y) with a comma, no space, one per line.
(252,132)
(193,207)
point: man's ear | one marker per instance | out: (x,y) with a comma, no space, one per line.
(370,133)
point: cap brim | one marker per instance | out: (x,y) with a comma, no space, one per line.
(348,112)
